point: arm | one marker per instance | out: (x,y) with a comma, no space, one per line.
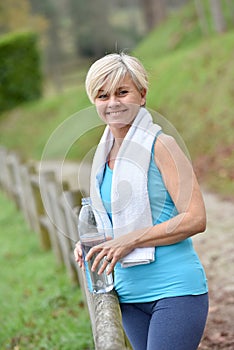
(181,183)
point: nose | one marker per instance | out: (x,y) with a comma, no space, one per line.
(113,101)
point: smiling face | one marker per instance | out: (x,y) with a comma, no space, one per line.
(119,107)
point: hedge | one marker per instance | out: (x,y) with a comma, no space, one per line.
(20,69)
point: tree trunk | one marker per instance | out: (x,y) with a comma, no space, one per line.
(201,16)
(154,12)
(230,5)
(219,21)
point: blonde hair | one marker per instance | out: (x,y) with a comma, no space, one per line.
(111,69)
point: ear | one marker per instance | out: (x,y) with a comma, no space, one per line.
(143,97)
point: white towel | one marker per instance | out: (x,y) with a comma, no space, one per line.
(129,198)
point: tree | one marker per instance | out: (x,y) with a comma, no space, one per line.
(93,31)
(154,12)
(201,16)
(218,18)
(17,15)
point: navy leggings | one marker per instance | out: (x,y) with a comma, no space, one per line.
(175,323)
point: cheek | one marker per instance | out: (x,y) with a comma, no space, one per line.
(101,111)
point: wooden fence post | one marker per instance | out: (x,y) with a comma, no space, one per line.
(28,197)
(70,205)
(13,169)
(55,194)
(47,203)
(72,200)
(4,178)
(43,223)
(109,333)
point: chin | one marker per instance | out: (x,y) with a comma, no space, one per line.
(118,125)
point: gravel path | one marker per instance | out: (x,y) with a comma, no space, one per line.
(216,250)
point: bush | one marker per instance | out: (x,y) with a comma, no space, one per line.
(20,73)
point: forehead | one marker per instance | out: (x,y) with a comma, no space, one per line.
(125,81)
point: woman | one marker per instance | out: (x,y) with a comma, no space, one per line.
(144,188)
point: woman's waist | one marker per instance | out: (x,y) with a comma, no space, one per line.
(167,259)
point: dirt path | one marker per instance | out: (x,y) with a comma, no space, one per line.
(216,250)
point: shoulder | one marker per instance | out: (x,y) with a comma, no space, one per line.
(167,151)
(165,140)
(165,144)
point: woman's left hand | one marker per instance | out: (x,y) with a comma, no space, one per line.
(111,252)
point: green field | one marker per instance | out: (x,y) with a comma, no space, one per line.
(40,309)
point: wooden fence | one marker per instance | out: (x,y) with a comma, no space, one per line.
(51,210)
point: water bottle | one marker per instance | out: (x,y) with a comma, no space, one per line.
(89,237)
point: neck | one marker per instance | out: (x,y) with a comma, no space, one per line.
(119,133)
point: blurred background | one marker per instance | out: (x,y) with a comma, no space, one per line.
(46,48)
(72,31)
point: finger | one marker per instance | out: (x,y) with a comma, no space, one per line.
(78,248)
(99,261)
(81,265)
(111,266)
(92,251)
(78,245)
(105,265)
(76,254)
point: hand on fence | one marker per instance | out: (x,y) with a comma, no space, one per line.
(79,255)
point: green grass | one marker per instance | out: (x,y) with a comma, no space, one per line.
(40,309)
(193,88)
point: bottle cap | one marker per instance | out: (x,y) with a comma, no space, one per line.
(86,201)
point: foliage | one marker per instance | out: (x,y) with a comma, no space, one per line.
(181,31)
(98,32)
(17,16)
(39,307)
(20,74)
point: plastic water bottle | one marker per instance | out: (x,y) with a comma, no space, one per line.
(89,237)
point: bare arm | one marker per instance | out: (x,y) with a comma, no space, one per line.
(181,183)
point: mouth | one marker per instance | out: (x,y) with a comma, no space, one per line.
(116,113)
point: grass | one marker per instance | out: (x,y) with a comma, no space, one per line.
(39,307)
(193,87)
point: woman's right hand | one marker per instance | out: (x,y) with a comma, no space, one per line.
(79,255)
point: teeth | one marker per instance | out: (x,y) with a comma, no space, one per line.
(115,113)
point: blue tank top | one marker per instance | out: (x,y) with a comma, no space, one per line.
(176,271)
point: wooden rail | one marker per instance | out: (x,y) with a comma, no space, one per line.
(51,210)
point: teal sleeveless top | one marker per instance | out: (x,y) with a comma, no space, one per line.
(176,271)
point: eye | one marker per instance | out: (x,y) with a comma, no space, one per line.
(122,92)
(103,96)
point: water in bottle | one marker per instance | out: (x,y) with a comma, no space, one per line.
(89,237)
